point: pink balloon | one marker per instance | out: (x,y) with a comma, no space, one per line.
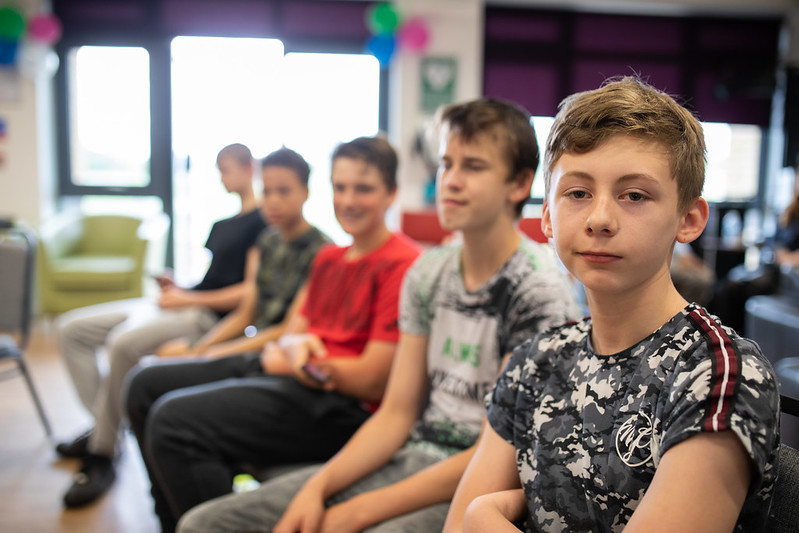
(413,35)
(44,28)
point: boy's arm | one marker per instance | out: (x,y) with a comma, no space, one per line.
(435,484)
(363,377)
(699,485)
(231,325)
(246,313)
(497,511)
(492,469)
(375,442)
(222,300)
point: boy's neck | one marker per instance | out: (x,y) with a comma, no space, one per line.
(485,251)
(248,201)
(620,321)
(365,244)
(297,229)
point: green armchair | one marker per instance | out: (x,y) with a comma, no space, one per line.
(90,259)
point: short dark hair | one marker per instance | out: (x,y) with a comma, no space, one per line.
(236,151)
(375,151)
(509,124)
(288,158)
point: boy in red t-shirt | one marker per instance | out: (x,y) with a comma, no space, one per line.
(304,396)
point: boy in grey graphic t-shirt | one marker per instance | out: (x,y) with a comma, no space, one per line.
(650,415)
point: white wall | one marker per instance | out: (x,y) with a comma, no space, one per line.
(456,30)
(27,174)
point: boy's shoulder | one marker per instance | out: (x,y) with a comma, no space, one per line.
(315,236)
(540,255)
(398,249)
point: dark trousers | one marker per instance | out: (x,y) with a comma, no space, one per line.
(198,422)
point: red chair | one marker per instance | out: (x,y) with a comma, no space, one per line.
(423,227)
(532,227)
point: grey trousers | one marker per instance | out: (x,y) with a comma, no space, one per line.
(262,508)
(127,330)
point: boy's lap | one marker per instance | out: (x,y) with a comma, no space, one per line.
(261,509)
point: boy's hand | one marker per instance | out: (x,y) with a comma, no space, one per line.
(346,517)
(302,349)
(495,511)
(164,282)
(304,513)
(173,297)
(274,360)
(174,348)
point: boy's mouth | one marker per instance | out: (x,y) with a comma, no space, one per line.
(599,257)
(450,202)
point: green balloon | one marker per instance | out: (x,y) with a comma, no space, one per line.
(12,24)
(382,19)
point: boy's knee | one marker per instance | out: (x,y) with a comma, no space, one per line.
(195,521)
(69,329)
(169,425)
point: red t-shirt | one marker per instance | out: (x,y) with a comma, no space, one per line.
(350,303)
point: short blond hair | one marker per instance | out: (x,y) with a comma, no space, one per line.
(630,106)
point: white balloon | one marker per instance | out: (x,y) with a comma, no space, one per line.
(37,60)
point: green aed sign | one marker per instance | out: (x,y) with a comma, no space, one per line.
(438,82)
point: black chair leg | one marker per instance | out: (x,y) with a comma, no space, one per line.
(46,423)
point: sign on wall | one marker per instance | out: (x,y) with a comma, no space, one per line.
(438,75)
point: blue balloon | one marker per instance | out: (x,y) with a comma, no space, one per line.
(8,52)
(382,47)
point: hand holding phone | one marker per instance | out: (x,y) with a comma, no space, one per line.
(315,373)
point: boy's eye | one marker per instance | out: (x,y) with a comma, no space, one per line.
(636,196)
(578,195)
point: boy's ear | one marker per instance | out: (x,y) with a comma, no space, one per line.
(693,221)
(546,221)
(521,185)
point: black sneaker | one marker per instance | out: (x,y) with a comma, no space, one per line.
(94,478)
(77,448)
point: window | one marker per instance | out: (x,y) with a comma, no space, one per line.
(733,160)
(227,90)
(110,122)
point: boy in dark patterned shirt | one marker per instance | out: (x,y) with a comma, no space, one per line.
(650,415)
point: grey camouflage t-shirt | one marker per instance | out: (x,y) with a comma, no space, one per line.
(589,430)
(470,332)
(283,269)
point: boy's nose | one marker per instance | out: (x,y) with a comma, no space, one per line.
(344,197)
(450,179)
(601,217)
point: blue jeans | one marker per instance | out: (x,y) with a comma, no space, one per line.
(261,509)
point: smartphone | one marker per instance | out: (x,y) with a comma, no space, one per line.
(315,373)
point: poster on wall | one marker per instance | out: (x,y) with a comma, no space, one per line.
(438,75)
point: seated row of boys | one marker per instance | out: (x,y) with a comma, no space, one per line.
(648,415)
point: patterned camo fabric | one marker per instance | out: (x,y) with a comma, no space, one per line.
(589,430)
